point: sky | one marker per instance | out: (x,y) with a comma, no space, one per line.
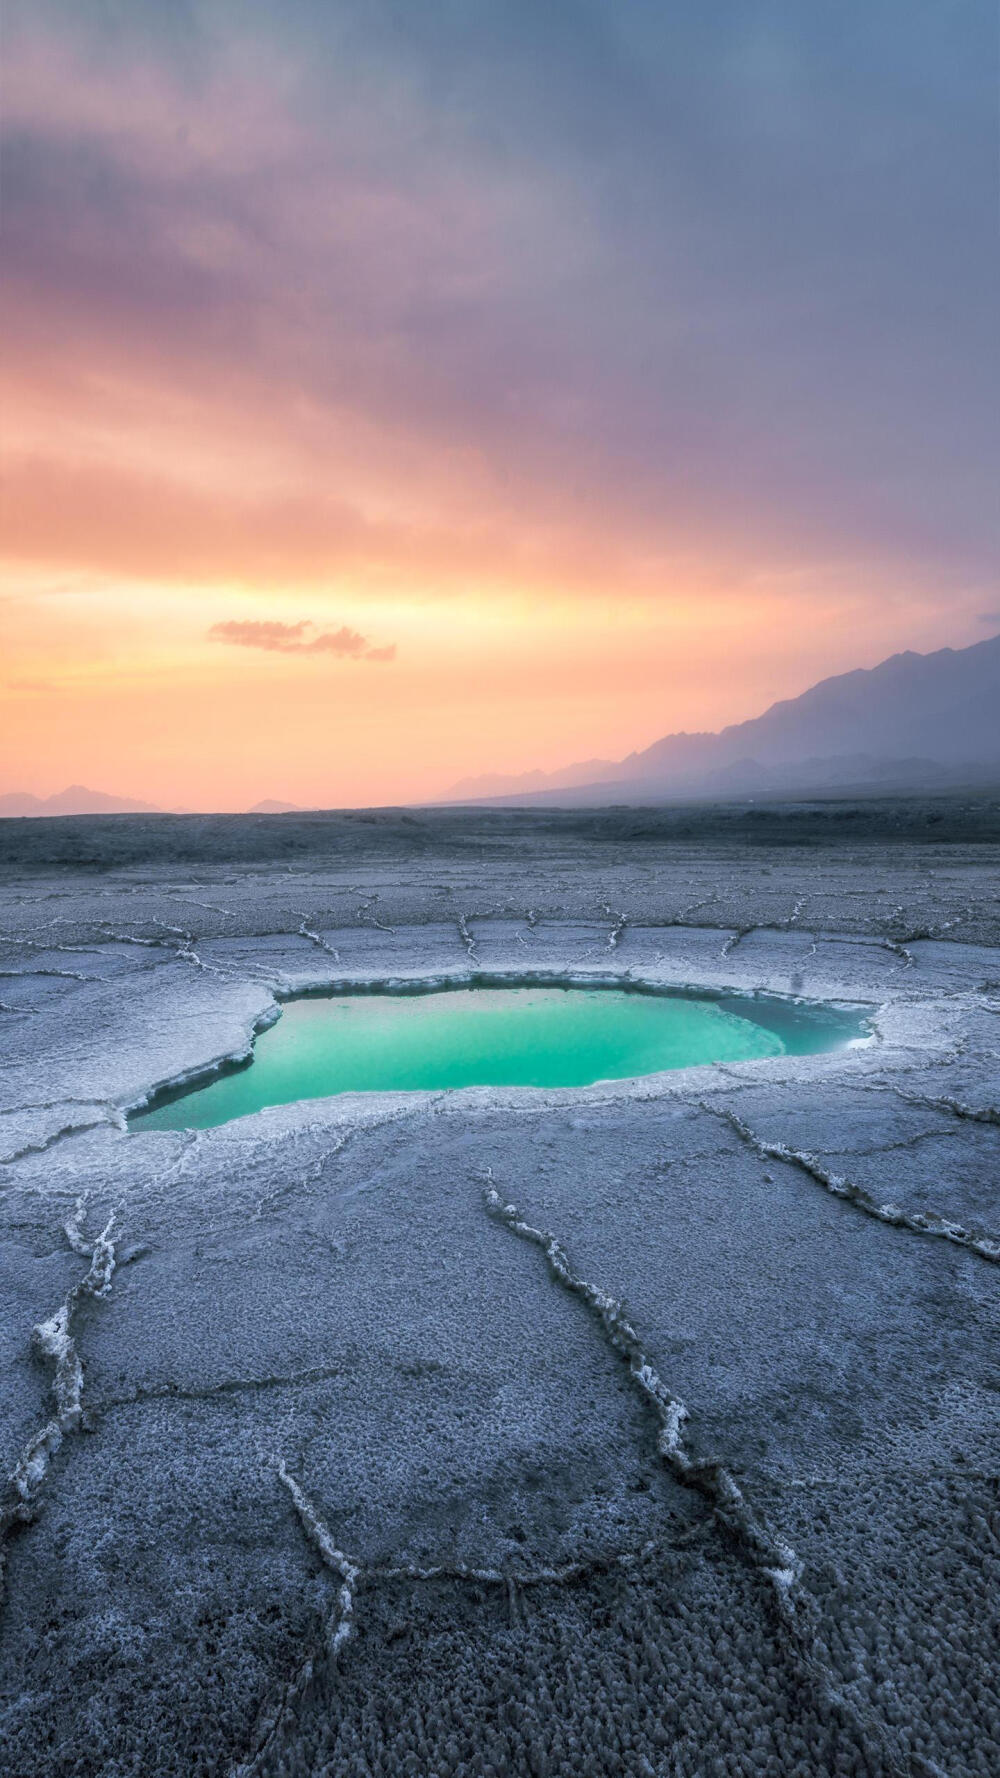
(399,391)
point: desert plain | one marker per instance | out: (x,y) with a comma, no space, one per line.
(645,1428)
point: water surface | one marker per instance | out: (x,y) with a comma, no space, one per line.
(533,1036)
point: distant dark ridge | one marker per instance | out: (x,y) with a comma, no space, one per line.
(107,843)
(75,800)
(917,723)
(757,786)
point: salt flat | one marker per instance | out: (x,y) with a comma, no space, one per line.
(335,1463)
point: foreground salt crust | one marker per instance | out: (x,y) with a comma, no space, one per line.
(350,1481)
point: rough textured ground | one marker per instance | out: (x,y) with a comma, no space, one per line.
(645,1429)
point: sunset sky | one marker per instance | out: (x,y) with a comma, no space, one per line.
(398,391)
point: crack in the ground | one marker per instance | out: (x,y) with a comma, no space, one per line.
(898,949)
(366,917)
(735,938)
(184,947)
(53,1339)
(69,975)
(318,1373)
(620,921)
(766,1552)
(976,1114)
(694,907)
(211,907)
(530,921)
(467,939)
(352,1573)
(61,1135)
(916,1222)
(178,942)
(307,930)
(337,1630)
(919,935)
(47,944)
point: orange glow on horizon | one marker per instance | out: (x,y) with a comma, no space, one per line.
(529,633)
(94,693)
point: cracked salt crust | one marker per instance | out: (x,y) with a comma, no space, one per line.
(319,1288)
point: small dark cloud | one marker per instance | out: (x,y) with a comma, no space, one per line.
(278,638)
(282,638)
(989,617)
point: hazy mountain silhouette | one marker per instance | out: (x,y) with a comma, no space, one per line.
(76,800)
(915,722)
(920,721)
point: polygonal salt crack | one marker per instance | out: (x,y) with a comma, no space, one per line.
(736,938)
(620,923)
(977,1114)
(768,1552)
(694,907)
(186,951)
(917,1222)
(110,1116)
(307,930)
(367,917)
(321,1540)
(898,949)
(340,1629)
(54,1340)
(69,975)
(353,1573)
(176,940)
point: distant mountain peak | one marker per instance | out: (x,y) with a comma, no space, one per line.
(919,719)
(76,799)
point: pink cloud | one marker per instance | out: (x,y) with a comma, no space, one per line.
(280,638)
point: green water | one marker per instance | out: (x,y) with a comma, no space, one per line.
(537,1037)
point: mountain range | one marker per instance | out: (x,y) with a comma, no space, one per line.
(916,721)
(76,800)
